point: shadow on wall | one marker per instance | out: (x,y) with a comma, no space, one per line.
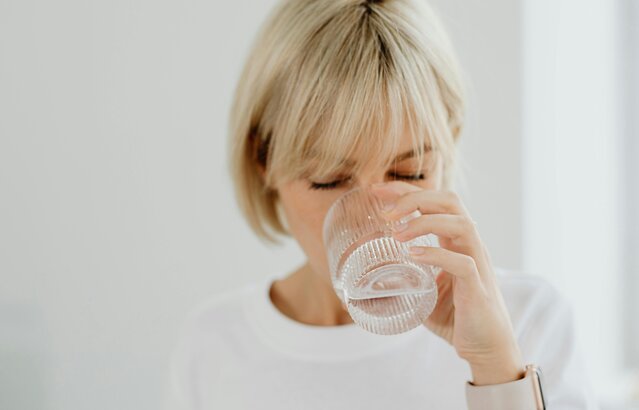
(22,357)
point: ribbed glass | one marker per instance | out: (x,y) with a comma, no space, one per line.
(384,289)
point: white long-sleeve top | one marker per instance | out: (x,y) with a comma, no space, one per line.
(236,350)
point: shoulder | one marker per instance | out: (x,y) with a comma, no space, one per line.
(202,330)
(544,323)
(533,302)
(216,312)
(213,324)
(542,316)
(209,327)
(523,290)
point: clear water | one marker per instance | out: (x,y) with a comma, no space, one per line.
(384,290)
(393,314)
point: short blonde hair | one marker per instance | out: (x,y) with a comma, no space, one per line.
(327,78)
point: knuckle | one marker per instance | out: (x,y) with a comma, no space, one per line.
(468,223)
(451,195)
(412,200)
(469,263)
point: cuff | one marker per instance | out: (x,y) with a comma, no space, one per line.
(518,394)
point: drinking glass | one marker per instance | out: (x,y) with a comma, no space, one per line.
(384,289)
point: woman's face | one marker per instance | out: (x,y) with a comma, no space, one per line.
(305,202)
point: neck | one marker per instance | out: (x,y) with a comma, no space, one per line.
(306,297)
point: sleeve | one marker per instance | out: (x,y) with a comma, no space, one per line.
(548,340)
(517,394)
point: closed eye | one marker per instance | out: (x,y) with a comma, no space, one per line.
(338,182)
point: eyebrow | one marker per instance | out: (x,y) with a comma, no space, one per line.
(410,154)
(401,157)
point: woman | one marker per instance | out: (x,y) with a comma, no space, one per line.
(343,93)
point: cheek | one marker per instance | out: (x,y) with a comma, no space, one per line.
(305,221)
(305,214)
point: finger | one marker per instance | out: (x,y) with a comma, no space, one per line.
(455,227)
(390,191)
(461,266)
(426,201)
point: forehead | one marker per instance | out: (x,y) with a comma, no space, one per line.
(361,150)
(403,151)
(364,161)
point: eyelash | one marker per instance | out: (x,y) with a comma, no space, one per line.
(333,184)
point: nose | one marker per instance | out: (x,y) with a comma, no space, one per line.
(366,180)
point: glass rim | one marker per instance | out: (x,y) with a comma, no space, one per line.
(341,199)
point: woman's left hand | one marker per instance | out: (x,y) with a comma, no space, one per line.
(470,313)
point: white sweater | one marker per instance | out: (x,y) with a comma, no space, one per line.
(238,351)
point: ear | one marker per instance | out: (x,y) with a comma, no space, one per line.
(261,171)
(259,151)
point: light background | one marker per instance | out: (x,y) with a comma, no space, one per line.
(116,209)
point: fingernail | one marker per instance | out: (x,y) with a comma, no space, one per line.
(416,250)
(401,226)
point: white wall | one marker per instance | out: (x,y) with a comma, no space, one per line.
(629,89)
(577,125)
(116,214)
(488,38)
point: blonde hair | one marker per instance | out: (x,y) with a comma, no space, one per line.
(327,78)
